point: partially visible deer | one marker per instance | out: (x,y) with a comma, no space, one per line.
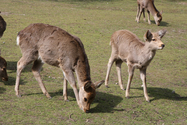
(43,43)
(126,47)
(3,72)
(2,26)
(150,7)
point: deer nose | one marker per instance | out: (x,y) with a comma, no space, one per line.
(163,45)
(87,111)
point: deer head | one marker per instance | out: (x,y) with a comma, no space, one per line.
(87,94)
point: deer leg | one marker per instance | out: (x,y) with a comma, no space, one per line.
(36,72)
(65,90)
(20,66)
(138,11)
(148,13)
(71,79)
(143,78)
(118,68)
(131,72)
(110,63)
(143,10)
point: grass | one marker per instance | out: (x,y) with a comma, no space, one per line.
(94,22)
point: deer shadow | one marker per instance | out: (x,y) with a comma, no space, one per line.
(11,68)
(163,93)
(162,23)
(105,102)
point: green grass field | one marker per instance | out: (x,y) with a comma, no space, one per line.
(94,21)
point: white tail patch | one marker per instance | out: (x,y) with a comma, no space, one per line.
(17,40)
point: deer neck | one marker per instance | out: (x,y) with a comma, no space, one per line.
(83,72)
(153,10)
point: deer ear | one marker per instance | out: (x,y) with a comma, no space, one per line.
(148,36)
(161,33)
(87,86)
(98,84)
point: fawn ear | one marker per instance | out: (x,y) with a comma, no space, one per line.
(161,33)
(98,84)
(87,86)
(148,36)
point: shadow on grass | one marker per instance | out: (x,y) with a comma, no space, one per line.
(163,23)
(163,93)
(12,66)
(2,90)
(105,102)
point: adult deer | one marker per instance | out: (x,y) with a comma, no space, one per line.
(150,7)
(2,26)
(42,43)
(126,47)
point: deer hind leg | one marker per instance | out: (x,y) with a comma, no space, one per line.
(65,90)
(20,66)
(36,72)
(110,63)
(148,13)
(143,78)
(131,73)
(118,68)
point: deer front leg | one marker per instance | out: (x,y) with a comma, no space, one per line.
(36,72)
(139,14)
(131,73)
(118,68)
(110,62)
(71,79)
(138,11)
(148,13)
(143,78)
(144,15)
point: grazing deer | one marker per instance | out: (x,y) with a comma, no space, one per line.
(2,26)
(126,47)
(43,43)
(150,7)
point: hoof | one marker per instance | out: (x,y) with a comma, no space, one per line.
(123,89)
(148,101)
(107,86)
(19,96)
(128,97)
(66,100)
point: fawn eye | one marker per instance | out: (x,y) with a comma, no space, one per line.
(153,39)
(85,99)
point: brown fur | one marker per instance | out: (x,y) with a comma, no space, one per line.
(3,67)
(2,26)
(150,7)
(126,47)
(42,43)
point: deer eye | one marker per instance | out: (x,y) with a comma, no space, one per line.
(153,39)
(85,99)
